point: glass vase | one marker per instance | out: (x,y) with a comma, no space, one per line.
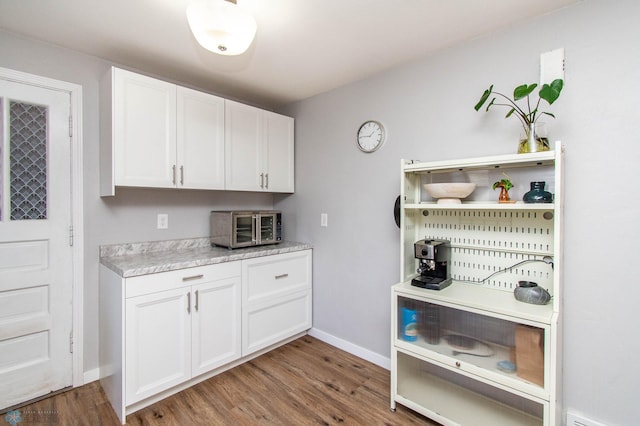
(537,194)
(533,139)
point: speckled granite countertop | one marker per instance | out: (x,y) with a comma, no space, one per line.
(133,259)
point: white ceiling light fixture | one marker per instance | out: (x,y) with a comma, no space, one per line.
(221,26)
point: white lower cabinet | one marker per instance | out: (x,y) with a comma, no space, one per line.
(163,332)
(177,334)
(153,365)
(276,298)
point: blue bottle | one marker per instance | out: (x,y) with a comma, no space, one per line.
(409,325)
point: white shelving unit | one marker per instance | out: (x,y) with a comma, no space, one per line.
(472,333)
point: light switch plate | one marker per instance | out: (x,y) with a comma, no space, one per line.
(324,220)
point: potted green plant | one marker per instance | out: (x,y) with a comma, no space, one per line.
(505,185)
(533,140)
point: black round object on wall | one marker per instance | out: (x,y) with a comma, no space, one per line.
(396,211)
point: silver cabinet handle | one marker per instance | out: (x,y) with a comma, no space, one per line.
(173,172)
(267,179)
(196,301)
(281,276)
(189,302)
(182,175)
(193,277)
(261,180)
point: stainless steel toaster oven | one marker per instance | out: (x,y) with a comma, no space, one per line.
(233,228)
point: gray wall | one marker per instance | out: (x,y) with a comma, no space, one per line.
(427,108)
(130,216)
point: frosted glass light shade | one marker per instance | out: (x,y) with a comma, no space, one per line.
(221,26)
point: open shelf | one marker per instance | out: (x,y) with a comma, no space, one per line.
(545,158)
(481,205)
(480,299)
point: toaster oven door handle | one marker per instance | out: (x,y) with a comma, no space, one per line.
(255,224)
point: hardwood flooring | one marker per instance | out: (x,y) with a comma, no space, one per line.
(306,382)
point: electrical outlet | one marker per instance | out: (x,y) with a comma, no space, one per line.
(163,221)
(324,220)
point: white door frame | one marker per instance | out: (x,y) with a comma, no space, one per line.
(75,92)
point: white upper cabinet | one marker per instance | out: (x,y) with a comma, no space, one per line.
(144,130)
(200,147)
(279,165)
(156,134)
(259,149)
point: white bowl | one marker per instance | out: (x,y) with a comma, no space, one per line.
(449,193)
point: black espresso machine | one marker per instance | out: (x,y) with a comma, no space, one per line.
(434,257)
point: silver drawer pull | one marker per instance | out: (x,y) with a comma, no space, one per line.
(193,277)
(281,276)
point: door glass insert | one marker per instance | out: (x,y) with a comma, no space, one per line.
(266,228)
(27,161)
(244,229)
(493,344)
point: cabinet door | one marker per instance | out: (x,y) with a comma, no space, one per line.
(276,299)
(244,162)
(280,152)
(215,324)
(200,127)
(144,130)
(157,343)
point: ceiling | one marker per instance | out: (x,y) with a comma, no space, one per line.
(302,47)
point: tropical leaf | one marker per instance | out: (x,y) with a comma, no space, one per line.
(484,98)
(551,92)
(523,91)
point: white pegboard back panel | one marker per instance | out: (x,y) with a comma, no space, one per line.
(514,231)
(496,269)
(487,241)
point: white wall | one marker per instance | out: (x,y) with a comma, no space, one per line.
(131,215)
(427,108)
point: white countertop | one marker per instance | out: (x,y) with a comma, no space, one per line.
(134,259)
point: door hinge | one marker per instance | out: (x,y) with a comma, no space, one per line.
(71,342)
(70,126)
(71,235)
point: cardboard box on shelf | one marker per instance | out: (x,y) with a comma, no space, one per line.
(529,353)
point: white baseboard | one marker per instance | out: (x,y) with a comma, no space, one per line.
(91,375)
(353,349)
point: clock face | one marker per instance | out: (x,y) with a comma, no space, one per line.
(370,136)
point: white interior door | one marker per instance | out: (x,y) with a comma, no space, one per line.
(35,253)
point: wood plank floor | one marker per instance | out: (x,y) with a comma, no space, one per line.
(306,382)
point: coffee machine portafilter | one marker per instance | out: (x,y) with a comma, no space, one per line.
(434,257)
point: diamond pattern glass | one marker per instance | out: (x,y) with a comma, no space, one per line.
(28,161)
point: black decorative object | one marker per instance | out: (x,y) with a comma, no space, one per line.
(396,211)
(529,292)
(537,194)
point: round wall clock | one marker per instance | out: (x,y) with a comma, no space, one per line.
(370,136)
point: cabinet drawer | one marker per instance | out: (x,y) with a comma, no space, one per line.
(271,277)
(161,281)
(269,323)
